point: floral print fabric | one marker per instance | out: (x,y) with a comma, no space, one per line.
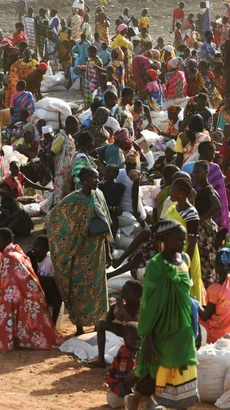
(24,317)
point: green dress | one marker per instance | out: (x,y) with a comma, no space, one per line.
(79,259)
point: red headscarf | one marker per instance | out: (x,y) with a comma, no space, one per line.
(153,74)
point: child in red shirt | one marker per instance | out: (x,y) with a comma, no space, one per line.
(19,35)
(121,377)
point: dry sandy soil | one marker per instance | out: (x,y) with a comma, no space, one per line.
(50,380)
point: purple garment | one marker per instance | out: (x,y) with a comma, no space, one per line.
(215,177)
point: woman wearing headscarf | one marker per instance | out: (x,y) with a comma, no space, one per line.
(154,90)
(97,129)
(120,39)
(78,250)
(215,316)
(188,141)
(20,71)
(175,121)
(175,81)
(117,62)
(114,153)
(25,319)
(167,53)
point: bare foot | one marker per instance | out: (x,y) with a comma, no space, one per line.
(97,363)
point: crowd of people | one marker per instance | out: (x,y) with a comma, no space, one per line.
(97,164)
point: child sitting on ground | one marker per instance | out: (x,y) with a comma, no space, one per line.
(125,309)
(42,266)
(121,376)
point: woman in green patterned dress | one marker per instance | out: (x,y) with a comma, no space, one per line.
(79,258)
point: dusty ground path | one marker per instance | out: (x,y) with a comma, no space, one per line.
(51,380)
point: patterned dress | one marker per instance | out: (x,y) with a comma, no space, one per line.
(78,258)
(24,317)
(63,148)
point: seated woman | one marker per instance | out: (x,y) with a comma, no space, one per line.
(26,320)
(21,99)
(13,184)
(16,217)
(42,266)
(215,317)
(175,81)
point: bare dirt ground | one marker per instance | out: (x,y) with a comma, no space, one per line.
(50,380)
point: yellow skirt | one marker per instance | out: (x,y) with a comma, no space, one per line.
(176,389)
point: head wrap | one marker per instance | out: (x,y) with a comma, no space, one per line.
(153,74)
(223,257)
(175,63)
(43,66)
(163,228)
(122,27)
(47,129)
(7,42)
(121,135)
(174,109)
(171,144)
(169,48)
(100,117)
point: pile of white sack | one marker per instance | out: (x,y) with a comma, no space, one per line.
(56,82)
(48,109)
(214,373)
